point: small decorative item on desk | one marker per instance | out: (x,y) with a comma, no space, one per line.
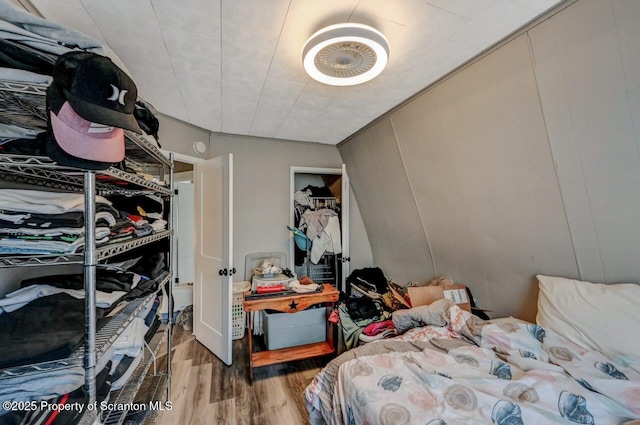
(268,268)
(304,285)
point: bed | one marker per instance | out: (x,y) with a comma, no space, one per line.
(579,364)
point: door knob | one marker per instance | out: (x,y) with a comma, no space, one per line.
(232,271)
(223,272)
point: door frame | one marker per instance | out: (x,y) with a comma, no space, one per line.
(177,156)
(344,225)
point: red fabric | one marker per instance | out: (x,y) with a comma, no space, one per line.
(53,416)
(334,317)
(378,327)
(135,218)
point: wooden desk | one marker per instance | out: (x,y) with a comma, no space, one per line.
(292,304)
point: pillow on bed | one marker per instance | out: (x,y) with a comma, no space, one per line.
(595,316)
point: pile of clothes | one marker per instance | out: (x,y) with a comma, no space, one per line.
(374,311)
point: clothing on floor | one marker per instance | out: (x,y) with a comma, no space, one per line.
(351,329)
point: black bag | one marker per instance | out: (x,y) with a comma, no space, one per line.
(370,279)
(474,309)
(362,308)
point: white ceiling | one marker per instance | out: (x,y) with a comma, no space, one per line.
(235,66)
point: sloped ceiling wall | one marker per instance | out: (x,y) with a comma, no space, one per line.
(526,162)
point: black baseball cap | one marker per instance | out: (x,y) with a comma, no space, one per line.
(77,142)
(97,89)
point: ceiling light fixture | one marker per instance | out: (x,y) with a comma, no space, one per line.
(345,54)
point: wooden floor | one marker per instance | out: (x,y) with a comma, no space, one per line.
(206,391)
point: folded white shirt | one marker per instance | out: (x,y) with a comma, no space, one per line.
(18,299)
(41,202)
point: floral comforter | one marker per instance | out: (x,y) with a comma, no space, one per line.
(475,372)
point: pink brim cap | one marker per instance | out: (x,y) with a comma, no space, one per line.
(85,139)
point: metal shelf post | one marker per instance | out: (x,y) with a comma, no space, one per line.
(90,284)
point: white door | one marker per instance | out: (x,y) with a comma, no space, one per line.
(213,286)
(185,233)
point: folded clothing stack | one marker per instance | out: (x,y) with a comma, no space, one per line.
(38,222)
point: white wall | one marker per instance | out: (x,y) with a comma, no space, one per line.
(527,161)
(261,193)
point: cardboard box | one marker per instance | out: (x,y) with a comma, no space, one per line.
(425,295)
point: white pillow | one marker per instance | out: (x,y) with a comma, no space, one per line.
(595,316)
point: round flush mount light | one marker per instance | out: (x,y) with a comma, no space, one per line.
(345,54)
(199,146)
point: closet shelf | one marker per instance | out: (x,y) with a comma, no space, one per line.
(108,251)
(114,328)
(22,87)
(156,382)
(32,97)
(105,337)
(40,260)
(102,252)
(138,149)
(42,171)
(130,178)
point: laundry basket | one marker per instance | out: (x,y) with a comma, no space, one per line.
(238,315)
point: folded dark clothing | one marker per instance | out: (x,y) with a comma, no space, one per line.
(144,288)
(27,237)
(122,367)
(144,230)
(106,280)
(48,328)
(152,329)
(48,221)
(20,56)
(122,225)
(149,318)
(137,204)
(31,147)
(151,265)
(69,219)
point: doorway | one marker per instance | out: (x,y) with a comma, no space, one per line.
(184,237)
(182,260)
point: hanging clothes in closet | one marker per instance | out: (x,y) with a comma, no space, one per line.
(317,213)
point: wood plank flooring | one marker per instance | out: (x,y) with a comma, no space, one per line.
(206,391)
